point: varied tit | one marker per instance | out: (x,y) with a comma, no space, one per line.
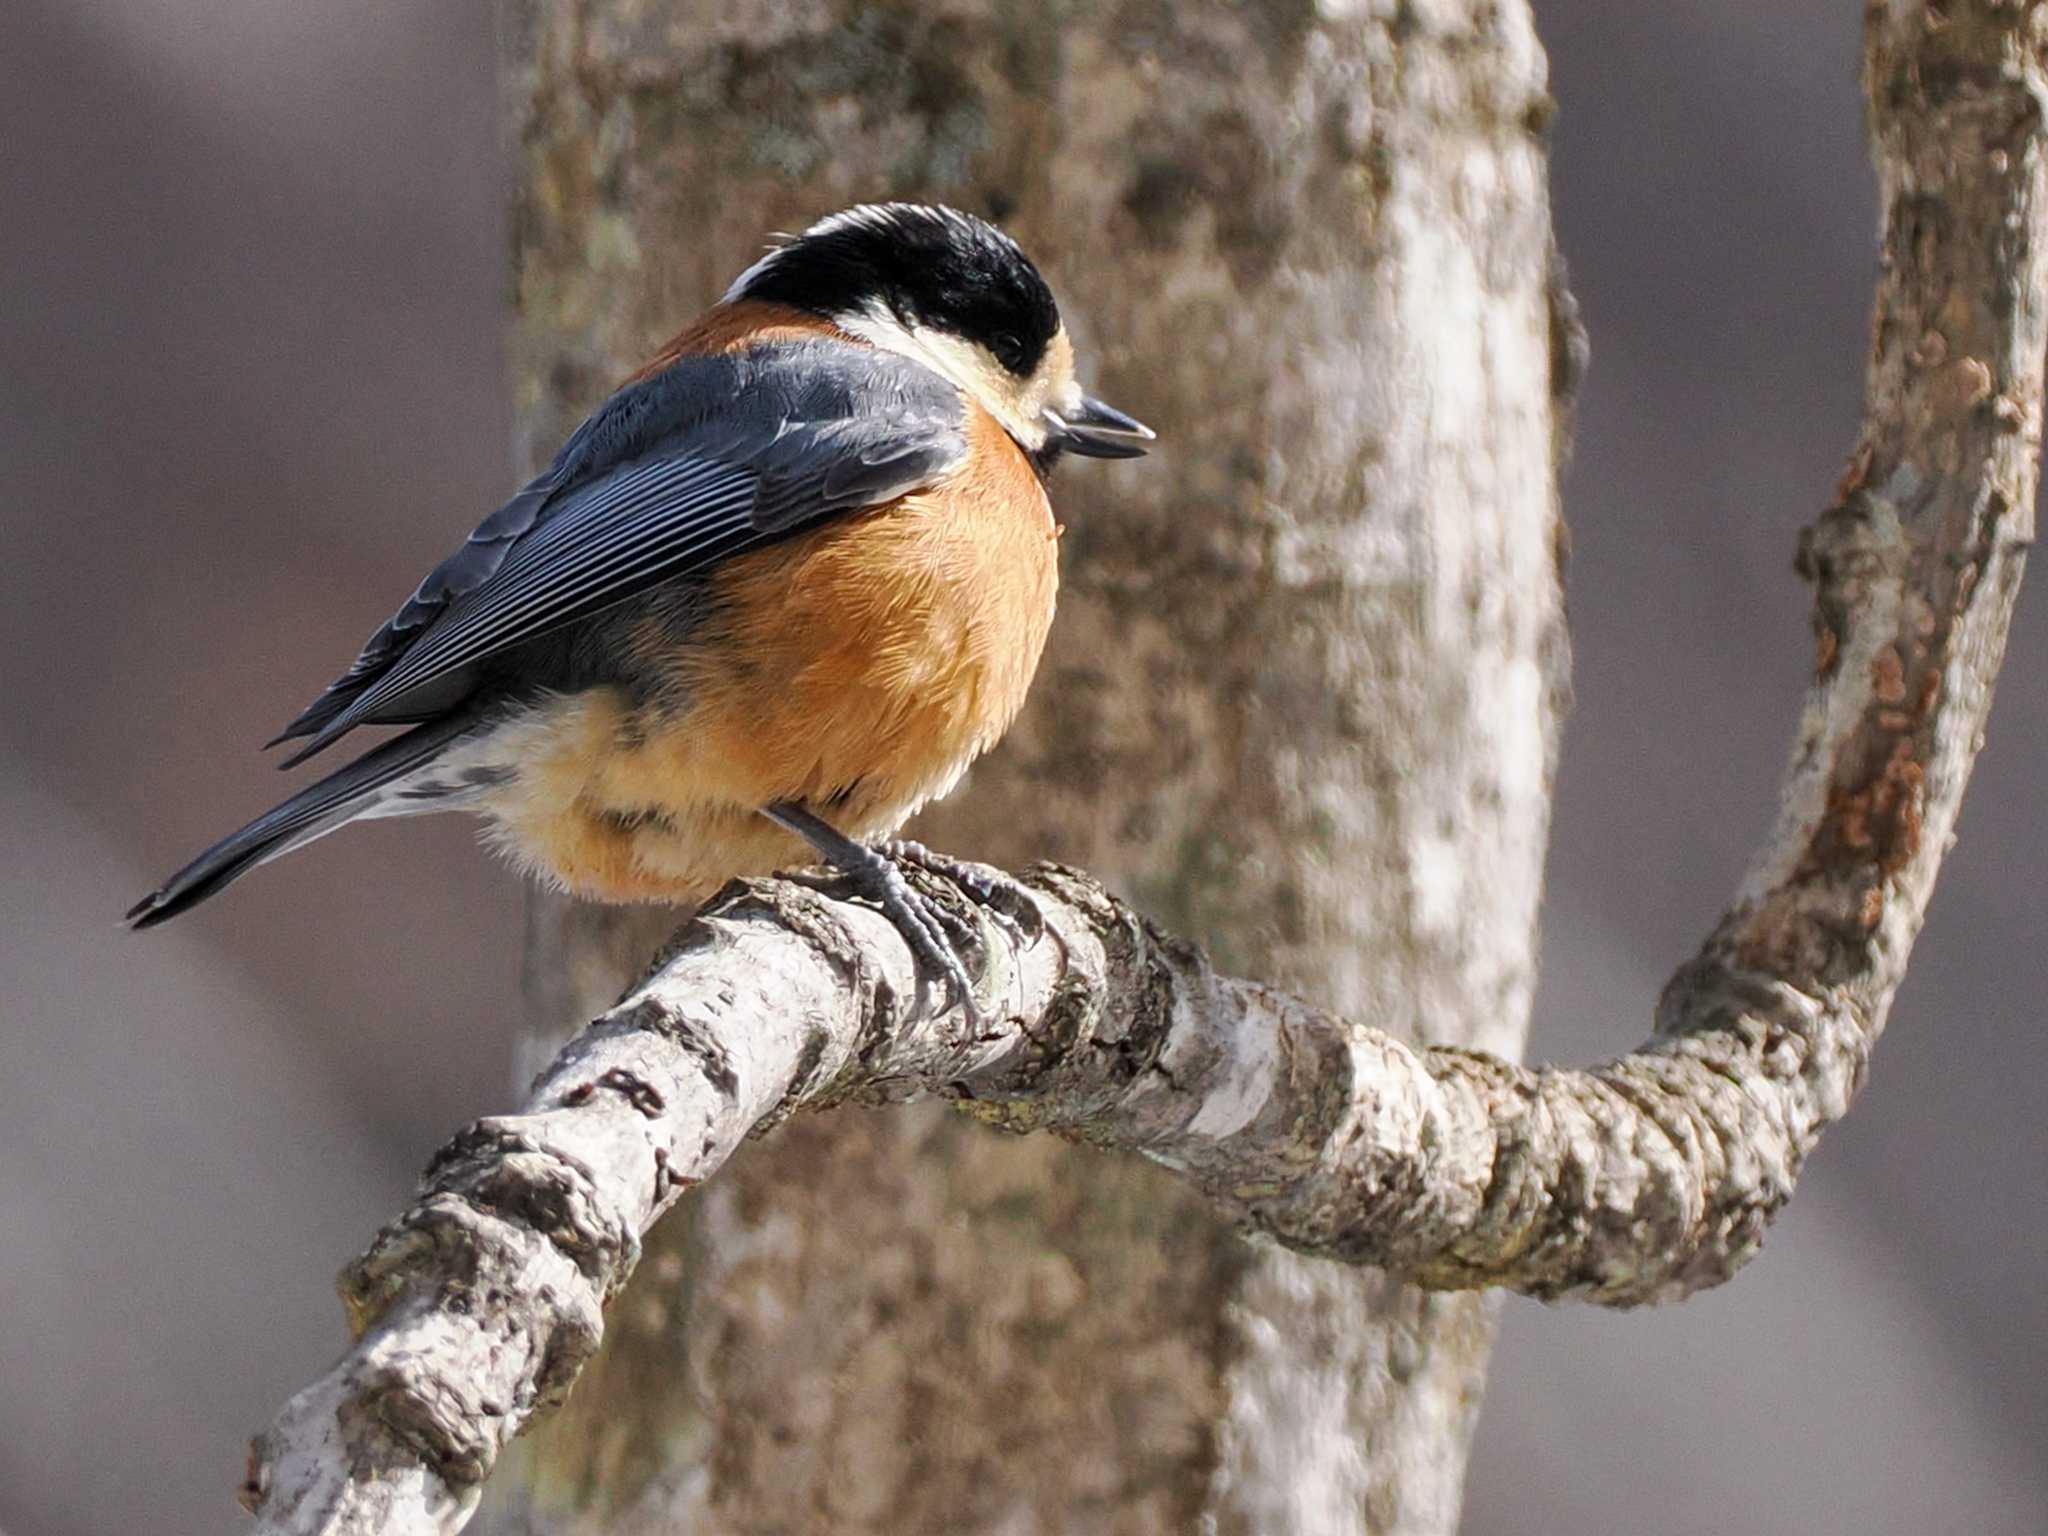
(779,590)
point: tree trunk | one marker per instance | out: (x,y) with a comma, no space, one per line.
(1301,702)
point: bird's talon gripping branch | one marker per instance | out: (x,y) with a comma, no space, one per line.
(1008,901)
(934,933)
(930,929)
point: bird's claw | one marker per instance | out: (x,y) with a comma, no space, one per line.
(934,932)
(1008,901)
(930,928)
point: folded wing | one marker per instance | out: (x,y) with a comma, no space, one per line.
(710,458)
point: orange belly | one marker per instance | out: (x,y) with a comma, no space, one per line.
(855,670)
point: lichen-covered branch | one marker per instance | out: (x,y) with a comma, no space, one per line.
(1638,1181)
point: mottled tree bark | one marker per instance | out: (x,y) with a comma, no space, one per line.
(1640,1180)
(1301,705)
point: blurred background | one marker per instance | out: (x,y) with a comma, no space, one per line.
(252,288)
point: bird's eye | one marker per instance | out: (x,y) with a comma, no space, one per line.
(1009,350)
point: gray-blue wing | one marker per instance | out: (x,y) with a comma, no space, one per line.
(708,459)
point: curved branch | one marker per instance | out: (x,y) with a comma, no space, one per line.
(1638,1181)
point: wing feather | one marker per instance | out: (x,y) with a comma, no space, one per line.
(711,457)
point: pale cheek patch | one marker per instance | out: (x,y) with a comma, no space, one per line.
(1019,406)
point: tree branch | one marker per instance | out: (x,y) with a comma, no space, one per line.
(1641,1180)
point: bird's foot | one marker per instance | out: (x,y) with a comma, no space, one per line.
(1004,898)
(933,931)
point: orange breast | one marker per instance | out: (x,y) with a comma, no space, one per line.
(856,669)
(863,665)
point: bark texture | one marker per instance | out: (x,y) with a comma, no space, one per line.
(1455,1168)
(1300,704)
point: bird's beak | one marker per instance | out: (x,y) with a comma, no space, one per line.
(1098,431)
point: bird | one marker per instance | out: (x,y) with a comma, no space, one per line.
(772,596)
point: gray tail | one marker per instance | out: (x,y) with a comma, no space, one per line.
(343,796)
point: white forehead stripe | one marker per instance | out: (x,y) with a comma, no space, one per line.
(883,217)
(877,217)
